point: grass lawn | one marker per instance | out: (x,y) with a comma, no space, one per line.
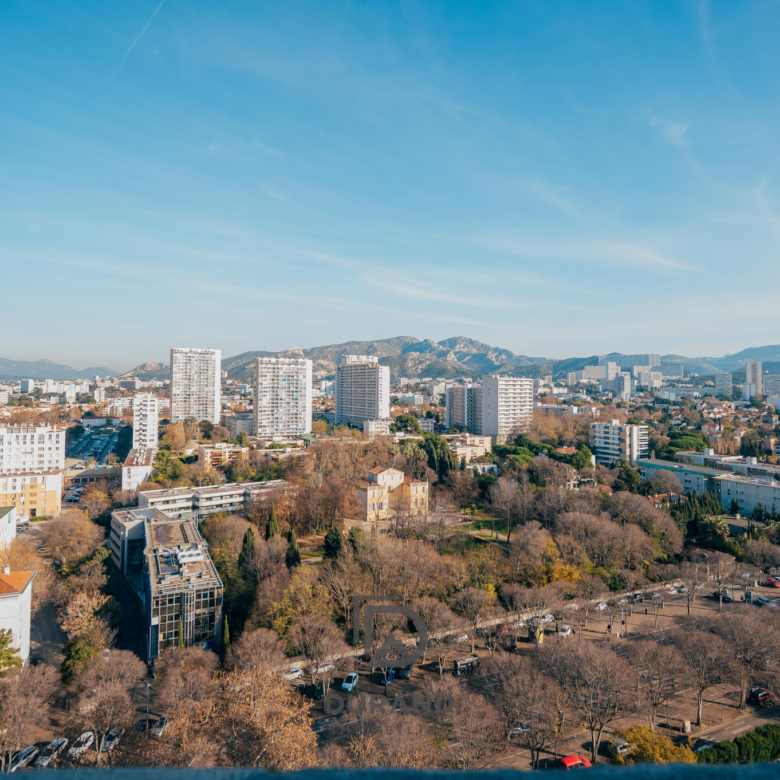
(305,555)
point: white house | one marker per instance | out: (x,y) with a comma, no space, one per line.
(15,601)
(7,525)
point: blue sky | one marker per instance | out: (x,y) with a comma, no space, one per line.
(555,178)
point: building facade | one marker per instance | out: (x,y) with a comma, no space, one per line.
(374,428)
(611,442)
(145,421)
(387,491)
(220,454)
(723,384)
(362,390)
(753,376)
(196,376)
(31,448)
(770,384)
(33,493)
(137,468)
(7,525)
(15,608)
(283,396)
(507,406)
(238,423)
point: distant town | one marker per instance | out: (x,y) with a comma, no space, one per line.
(183,537)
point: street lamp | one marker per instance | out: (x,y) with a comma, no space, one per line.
(148,684)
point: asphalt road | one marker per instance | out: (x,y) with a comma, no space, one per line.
(755,716)
(47,638)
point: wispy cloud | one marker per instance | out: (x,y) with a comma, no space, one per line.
(672,132)
(137,38)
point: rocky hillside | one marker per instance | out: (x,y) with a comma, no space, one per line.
(149,370)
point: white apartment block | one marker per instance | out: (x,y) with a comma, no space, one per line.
(15,608)
(32,448)
(415,399)
(27,386)
(362,390)
(770,384)
(283,396)
(7,525)
(145,421)
(238,423)
(627,362)
(611,442)
(507,406)
(137,468)
(464,408)
(196,376)
(723,384)
(753,376)
(374,428)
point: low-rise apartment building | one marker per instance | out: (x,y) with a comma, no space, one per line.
(32,493)
(374,428)
(238,423)
(31,448)
(7,525)
(15,608)
(201,501)
(220,454)
(137,468)
(387,491)
(468,447)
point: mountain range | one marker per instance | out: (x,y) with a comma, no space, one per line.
(405,355)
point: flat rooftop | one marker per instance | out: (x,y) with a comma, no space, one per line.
(139,458)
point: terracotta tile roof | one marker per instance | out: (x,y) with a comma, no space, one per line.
(15,582)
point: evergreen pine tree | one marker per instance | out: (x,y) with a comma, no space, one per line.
(334,541)
(247,550)
(734,507)
(355,535)
(180,638)
(225,636)
(271,527)
(9,655)
(293,557)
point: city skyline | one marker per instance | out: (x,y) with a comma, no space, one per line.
(554,180)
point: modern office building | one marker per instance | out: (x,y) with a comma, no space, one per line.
(201,501)
(145,421)
(723,384)
(183,591)
(753,375)
(507,406)
(15,608)
(33,493)
(362,390)
(611,442)
(283,396)
(137,468)
(31,448)
(196,376)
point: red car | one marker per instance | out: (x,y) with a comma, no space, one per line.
(773,582)
(760,696)
(575,762)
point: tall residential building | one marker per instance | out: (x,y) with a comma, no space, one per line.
(15,608)
(31,448)
(362,390)
(611,442)
(507,406)
(196,376)
(753,375)
(33,493)
(723,385)
(27,386)
(283,393)
(627,362)
(145,421)
(770,384)
(464,407)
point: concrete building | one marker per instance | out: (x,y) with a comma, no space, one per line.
(427,425)
(201,501)
(283,396)
(387,491)
(362,390)
(27,386)
(196,384)
(374,428)
(460,406)
(7,525)
(137,468)
(468,447)
(748,391)
(694,479)
(238,423)
(415,399)
(611,442)
(33,493)
(770,384)
(753,375)
(31,448)
(15,607)
(723,384)
(220,454)
(627,362)
(507,406)
(600,373)
(145,421)
(182,589)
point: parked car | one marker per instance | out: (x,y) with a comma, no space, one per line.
(160,726)
(388,676)
(683,589)
(452,639)
(639,598)
(723,595)
(564,631)
(773,582)
(574,762)
(760,696)
(764,601)
(619,747)
(319,691)
(350,682)
(293,674)
(112,739)
(702,744)
(325,666)
(601,606)
(547,618)
(51,751)
(82,743)
(657,596)
(518,730)
(406,672)
(23,758)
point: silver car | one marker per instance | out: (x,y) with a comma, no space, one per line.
(82,743)
(22,759)
(51,751)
